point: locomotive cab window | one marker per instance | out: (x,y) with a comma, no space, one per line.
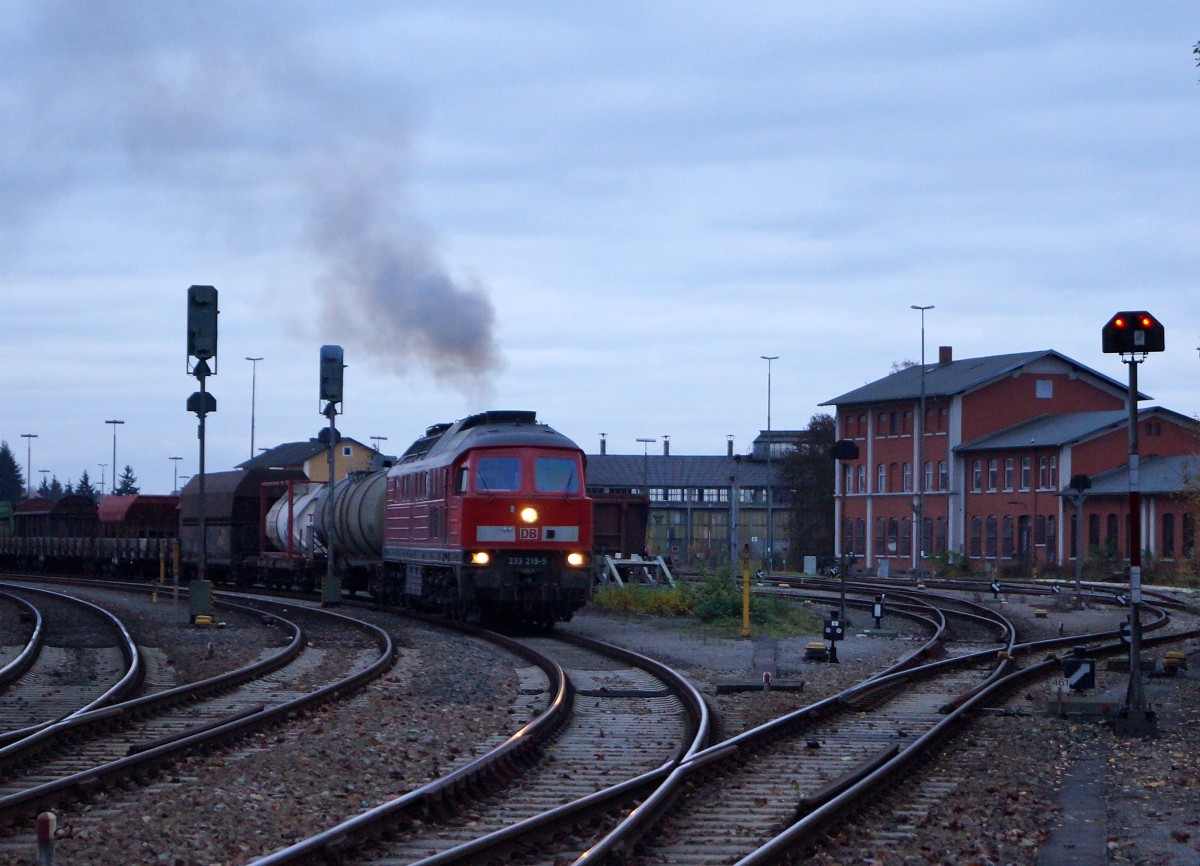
(555,475)
(498,473)
(460,479)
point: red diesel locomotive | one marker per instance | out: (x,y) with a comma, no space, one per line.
(489,518)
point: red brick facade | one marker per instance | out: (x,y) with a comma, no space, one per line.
(1002,437)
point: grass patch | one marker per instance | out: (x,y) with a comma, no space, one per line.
(715,602)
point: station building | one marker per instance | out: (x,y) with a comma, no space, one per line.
(705,507)
(973,458)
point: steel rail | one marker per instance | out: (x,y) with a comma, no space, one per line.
(15,669)
(226,730)
(135,669)
(497,763)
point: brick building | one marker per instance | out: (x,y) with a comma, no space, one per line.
(987,462)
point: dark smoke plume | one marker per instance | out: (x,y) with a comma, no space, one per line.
(225,103)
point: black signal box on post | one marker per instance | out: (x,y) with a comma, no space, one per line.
(1133,332)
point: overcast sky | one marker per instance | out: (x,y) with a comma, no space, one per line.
(605,212)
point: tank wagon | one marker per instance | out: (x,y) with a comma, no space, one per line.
(234,510)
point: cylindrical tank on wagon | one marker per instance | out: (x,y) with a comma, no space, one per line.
(358,514)
(304,499)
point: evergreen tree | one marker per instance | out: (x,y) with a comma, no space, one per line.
(85,488)
(127,484)
(68,489)
(12,481)
(808,472)
(44,488)
(56,489)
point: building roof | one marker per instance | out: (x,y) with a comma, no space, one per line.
(1156,475)
(1057,430)
(955,377)
(295,453)
(657,470)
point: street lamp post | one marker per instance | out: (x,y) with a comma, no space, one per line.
(176,460)
(29,437)
(253,390)
(44,472)
(114,463)
(377,440)
(919,430)
(770,477)
(103,466)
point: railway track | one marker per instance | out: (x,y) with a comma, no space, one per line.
(331,655)
(79,657)
(625,721)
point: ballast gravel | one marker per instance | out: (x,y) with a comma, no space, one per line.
(447,699)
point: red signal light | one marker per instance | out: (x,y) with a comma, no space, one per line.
(1147,321)
(1118,322)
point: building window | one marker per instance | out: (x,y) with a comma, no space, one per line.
(1168,536)
(1045,389)
(880,534)
(1051,540)
(1006,538)
(1093,531)
(1026,472)
(977,476)
(1189,536)
(906,537)
(1024,540)
(1043,472)
(943,475)
(881,478)
(907,478)
(347,450)
(1009,472)
(848,479)
(1039,530)
(991,537)
(1053,473)
(893,536)
(880,428)
(1110,534)
(927,481)
(860,535)
(939,541)
(862,478)
(906,423)
(976,537)
(993,474)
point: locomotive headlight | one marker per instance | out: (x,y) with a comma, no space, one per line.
(480,557)
(575,559)
(529,515)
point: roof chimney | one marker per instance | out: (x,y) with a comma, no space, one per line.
(666,445)
(729,445)
(603,444)
(945,354)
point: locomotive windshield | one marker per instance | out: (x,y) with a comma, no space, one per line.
(555,475)
(498,473)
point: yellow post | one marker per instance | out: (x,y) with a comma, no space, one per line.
(745,598)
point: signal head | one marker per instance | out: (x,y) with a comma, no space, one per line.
(1133,332)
